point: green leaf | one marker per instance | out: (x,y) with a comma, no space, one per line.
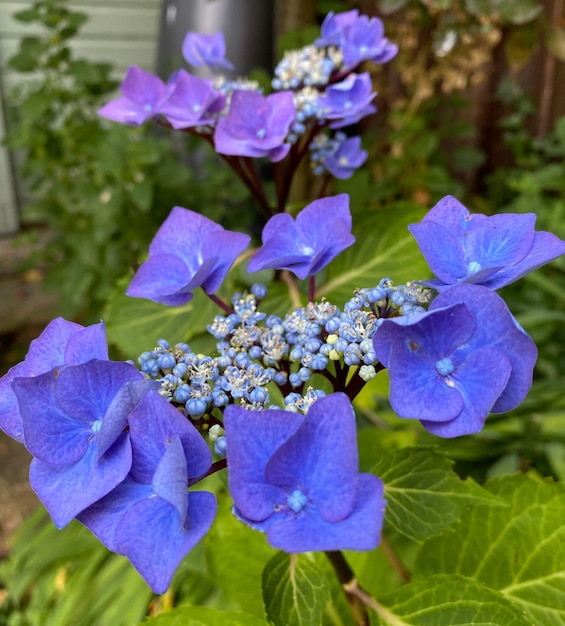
(142,194)
(424,495)
(384,248)
(294,590)
(135,324)
(27,15)
(236,556)
(448,601)
(203,616)
(518,550)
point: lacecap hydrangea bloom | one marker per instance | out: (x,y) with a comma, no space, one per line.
(296,477)
(495,251)
(308,243)
(61,343)
(454,364)
(188,251)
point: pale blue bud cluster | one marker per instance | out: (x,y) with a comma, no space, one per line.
(255,349)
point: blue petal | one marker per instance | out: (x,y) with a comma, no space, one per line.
(154,540)
(321,458)
(153,424)
(68,490)
(51,434)
(87,344)
(103,517)
(500,240)
(252,438)
(170,480)
(361,530)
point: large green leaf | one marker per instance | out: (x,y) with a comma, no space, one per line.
(203,616)
(135,324)
(294,590)
(236,556)
(424,495)
(448,601)
(384,248)
(518,550)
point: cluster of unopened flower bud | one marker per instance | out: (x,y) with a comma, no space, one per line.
(255,349)
(309,66)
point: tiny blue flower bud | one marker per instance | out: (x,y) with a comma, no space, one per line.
(220,446)
(195,407)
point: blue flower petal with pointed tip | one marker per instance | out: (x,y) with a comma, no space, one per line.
(491,251)
(296,477)
(188,251)
(306,245)
(462,359)
(142,95)
(151,517)
(210,50)
(61,343)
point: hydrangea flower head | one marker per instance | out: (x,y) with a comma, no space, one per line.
(296,477)
(208,50)
(61,343)
(348,156)
(188,251)
(348,101)
(256,126)
(142,96)
(359,37)
(74,421)
(151,517)
(192,101)
(463,358)
(306,245)
(492,251)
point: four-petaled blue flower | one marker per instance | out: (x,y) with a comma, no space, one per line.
(472,248)
(256,126)
(74,421)
(142,96)
(465,357)
(359,37)
(296,477)
(151,518)
(61,343)
(188,251)
(348,101)
(192,101)
(209,50)
(306,245)
(348,156)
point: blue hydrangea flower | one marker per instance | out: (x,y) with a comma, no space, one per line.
(74,421)
(296,477)
(347,157)
(191,102)
(348,101)
(256,126)
(359,37)
(188,251)
(208,50)
(451,366)
(151,517)
(61,343)
(306,245)
(142,96)
(492,251)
